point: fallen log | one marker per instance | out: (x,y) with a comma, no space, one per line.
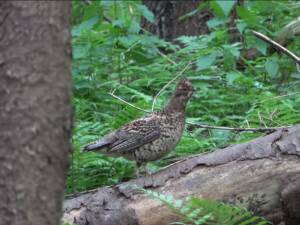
(262,175)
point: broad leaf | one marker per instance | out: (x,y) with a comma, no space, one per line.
(206,61)
(226,6)
(261,46)
(232,76)
(217,21)
(146,13)
(247,16)
(76,31)
(271,67)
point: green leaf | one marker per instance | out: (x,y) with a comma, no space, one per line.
(91,10)
(81,51)
(234,49)
(247,16)
(146,13)
(228,61)
(232,76)
(84,26)
(118,23)
(217,21)
(206,61)
(185,16)
(261,46)
(271,67)
(128,40)
(241,26)
(216,8)
(134,27)
(186,39)
(231,53)
(226,6)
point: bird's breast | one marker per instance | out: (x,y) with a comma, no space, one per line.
(171,132)
(171,129)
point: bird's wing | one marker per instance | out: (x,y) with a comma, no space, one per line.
(134,135)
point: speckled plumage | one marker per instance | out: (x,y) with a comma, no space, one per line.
(151,137)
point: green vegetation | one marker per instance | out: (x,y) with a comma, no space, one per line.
(111,51)
(201,211)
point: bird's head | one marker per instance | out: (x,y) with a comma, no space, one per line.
(184,89)
(181,96)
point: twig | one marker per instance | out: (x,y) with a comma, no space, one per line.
(248,123)
(280,96)
(239,128)
(164,87)
(261,119)
(127,103)
(75,194)
(192,136)
(277,46)
(262,129)
(165,56)
(273,113)
(133,45)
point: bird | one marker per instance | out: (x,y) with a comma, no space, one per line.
(151,137)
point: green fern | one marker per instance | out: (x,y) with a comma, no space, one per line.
(115,54)
(198,211)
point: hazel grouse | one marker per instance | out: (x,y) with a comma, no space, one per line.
(151,137)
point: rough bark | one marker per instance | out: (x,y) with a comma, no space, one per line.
(168,24)
(35,110)
(262,175)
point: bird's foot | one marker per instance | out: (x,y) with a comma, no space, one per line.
(142,170)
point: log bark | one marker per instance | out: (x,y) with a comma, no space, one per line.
(262,175)
(35,110)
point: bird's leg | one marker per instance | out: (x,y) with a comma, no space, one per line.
(142,169)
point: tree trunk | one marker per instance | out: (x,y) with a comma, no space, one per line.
(262,175)
(35,110)
(169,25)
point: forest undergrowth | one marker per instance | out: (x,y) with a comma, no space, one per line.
(111,52)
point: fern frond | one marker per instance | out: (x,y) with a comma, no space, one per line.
(198,211)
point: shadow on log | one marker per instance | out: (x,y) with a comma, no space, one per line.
(262,175)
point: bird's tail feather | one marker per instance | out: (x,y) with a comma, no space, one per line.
(95,146)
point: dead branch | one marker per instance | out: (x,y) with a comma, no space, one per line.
(262,175)
(259,129)
(277,46)
(127,103)
(249,129)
